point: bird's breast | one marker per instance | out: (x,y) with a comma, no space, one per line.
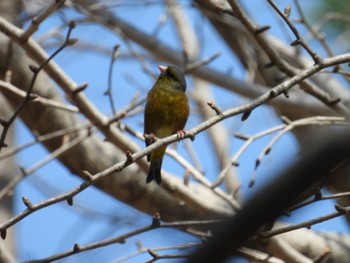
(166,112)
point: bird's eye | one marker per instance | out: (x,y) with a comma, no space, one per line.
(171,74)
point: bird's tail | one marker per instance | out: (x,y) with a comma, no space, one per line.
(154,171)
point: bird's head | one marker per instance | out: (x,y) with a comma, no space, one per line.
(172,77)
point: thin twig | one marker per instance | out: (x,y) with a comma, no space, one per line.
(234,160)
(317,120)
(299,40)
(200,178)
(128,110)
(306,224)
(143,250)
(193,156)
(43,138)
(283,128)
(108,92)
(64,148)
(312,30)
(34,26)
(28,97)
(122,238)
(285,67)
(318,198)
(36,98)
(200,63)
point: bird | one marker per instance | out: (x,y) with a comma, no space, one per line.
(166,113)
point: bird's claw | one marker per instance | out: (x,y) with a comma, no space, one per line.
(181,134)
(150,138)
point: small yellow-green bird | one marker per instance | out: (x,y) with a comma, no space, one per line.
(166,113)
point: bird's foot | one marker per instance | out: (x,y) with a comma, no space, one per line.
(150,138)
(181,134)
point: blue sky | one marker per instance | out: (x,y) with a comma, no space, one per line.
(96,216)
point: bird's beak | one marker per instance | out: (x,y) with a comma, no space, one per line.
(162,68)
